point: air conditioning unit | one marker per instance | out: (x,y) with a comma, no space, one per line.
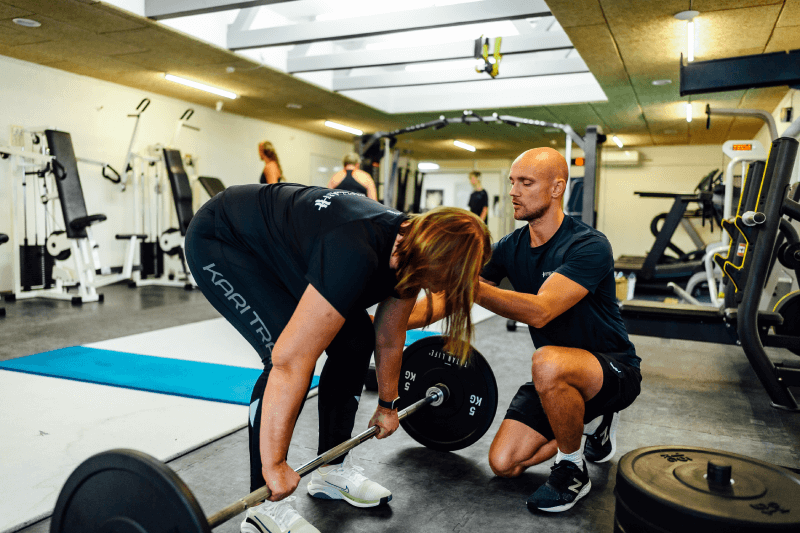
(620,158)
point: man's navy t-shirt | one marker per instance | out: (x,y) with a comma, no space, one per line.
(583,255)
(339,242)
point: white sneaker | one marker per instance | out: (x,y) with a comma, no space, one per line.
(275,517)
(346,482)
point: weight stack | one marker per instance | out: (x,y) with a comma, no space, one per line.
(36,267)
(674,489)
(152,259)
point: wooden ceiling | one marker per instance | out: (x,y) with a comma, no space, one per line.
(625,43)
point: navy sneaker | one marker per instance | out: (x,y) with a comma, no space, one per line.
(567,485)
(602,445)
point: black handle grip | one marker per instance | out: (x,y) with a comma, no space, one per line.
(143,105)
(187,114)
(708,117)
(58,170)
(112,179)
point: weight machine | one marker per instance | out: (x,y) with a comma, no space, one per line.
(740,153)
(761,237)
(149,175)
(3,240)
(49,155)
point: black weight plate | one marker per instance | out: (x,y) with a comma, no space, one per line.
(664,488)
(125,491)
(469,411)
(789,308)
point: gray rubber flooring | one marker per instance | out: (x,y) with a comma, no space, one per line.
(694,395)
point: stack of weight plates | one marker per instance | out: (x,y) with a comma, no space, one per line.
(674,489)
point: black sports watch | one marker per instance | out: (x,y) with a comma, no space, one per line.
(389,405)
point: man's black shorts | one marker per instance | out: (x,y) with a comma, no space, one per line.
(621,385)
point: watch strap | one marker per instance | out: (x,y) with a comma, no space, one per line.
(388,405)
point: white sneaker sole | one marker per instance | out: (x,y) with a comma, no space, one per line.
(327,492)
(248,528)
(567,506)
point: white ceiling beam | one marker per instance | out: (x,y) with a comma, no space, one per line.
(431,17)
(167,9)
(519,69)
(517,44)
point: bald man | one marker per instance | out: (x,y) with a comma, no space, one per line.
(584,370)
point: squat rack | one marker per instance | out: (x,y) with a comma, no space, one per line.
(370,148)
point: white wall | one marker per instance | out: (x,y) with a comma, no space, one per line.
(454,183)
(95,113)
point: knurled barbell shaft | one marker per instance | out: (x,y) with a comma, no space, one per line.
(259,495)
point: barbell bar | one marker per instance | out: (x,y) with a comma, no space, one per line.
(436,395)
(130,491)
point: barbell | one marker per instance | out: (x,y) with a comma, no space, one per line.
(127,491)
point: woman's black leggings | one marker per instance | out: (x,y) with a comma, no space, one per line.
(242,288)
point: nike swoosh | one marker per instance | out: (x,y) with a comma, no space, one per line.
(346,488)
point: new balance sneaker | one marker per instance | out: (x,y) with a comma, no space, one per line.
(602,444)
(567,485)
(346,482)
(275,517)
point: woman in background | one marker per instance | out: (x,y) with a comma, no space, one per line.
(272,172)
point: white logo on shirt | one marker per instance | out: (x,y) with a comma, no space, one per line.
(547,274)
(325,201)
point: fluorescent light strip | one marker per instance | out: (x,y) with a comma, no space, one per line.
(425,165)
(688,112)
(690,31)
(341,127)
(201,86)
(616,140)
(465,146)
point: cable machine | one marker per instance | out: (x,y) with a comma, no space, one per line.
(372,151)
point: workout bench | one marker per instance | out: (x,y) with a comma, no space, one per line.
(171,241)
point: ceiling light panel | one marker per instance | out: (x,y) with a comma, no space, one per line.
(405,38)
(491,94)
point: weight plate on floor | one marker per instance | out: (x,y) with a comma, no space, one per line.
(468,412)
(125,491)
(681,489)
(789,308)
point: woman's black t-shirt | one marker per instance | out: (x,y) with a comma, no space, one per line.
(337,241)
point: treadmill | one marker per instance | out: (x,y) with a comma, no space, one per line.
(657,269)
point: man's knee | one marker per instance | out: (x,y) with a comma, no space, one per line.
(547,367)
(503,463)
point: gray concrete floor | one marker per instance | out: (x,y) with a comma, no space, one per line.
(694,394)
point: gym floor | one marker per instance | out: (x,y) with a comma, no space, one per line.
(693,394)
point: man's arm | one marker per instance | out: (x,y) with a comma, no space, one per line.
(555,296)
(418,318)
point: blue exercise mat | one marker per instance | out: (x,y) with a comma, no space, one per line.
(191,379)
(416,334)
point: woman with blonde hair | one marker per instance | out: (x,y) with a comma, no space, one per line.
(272,172)
(352,178)
(294,269)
